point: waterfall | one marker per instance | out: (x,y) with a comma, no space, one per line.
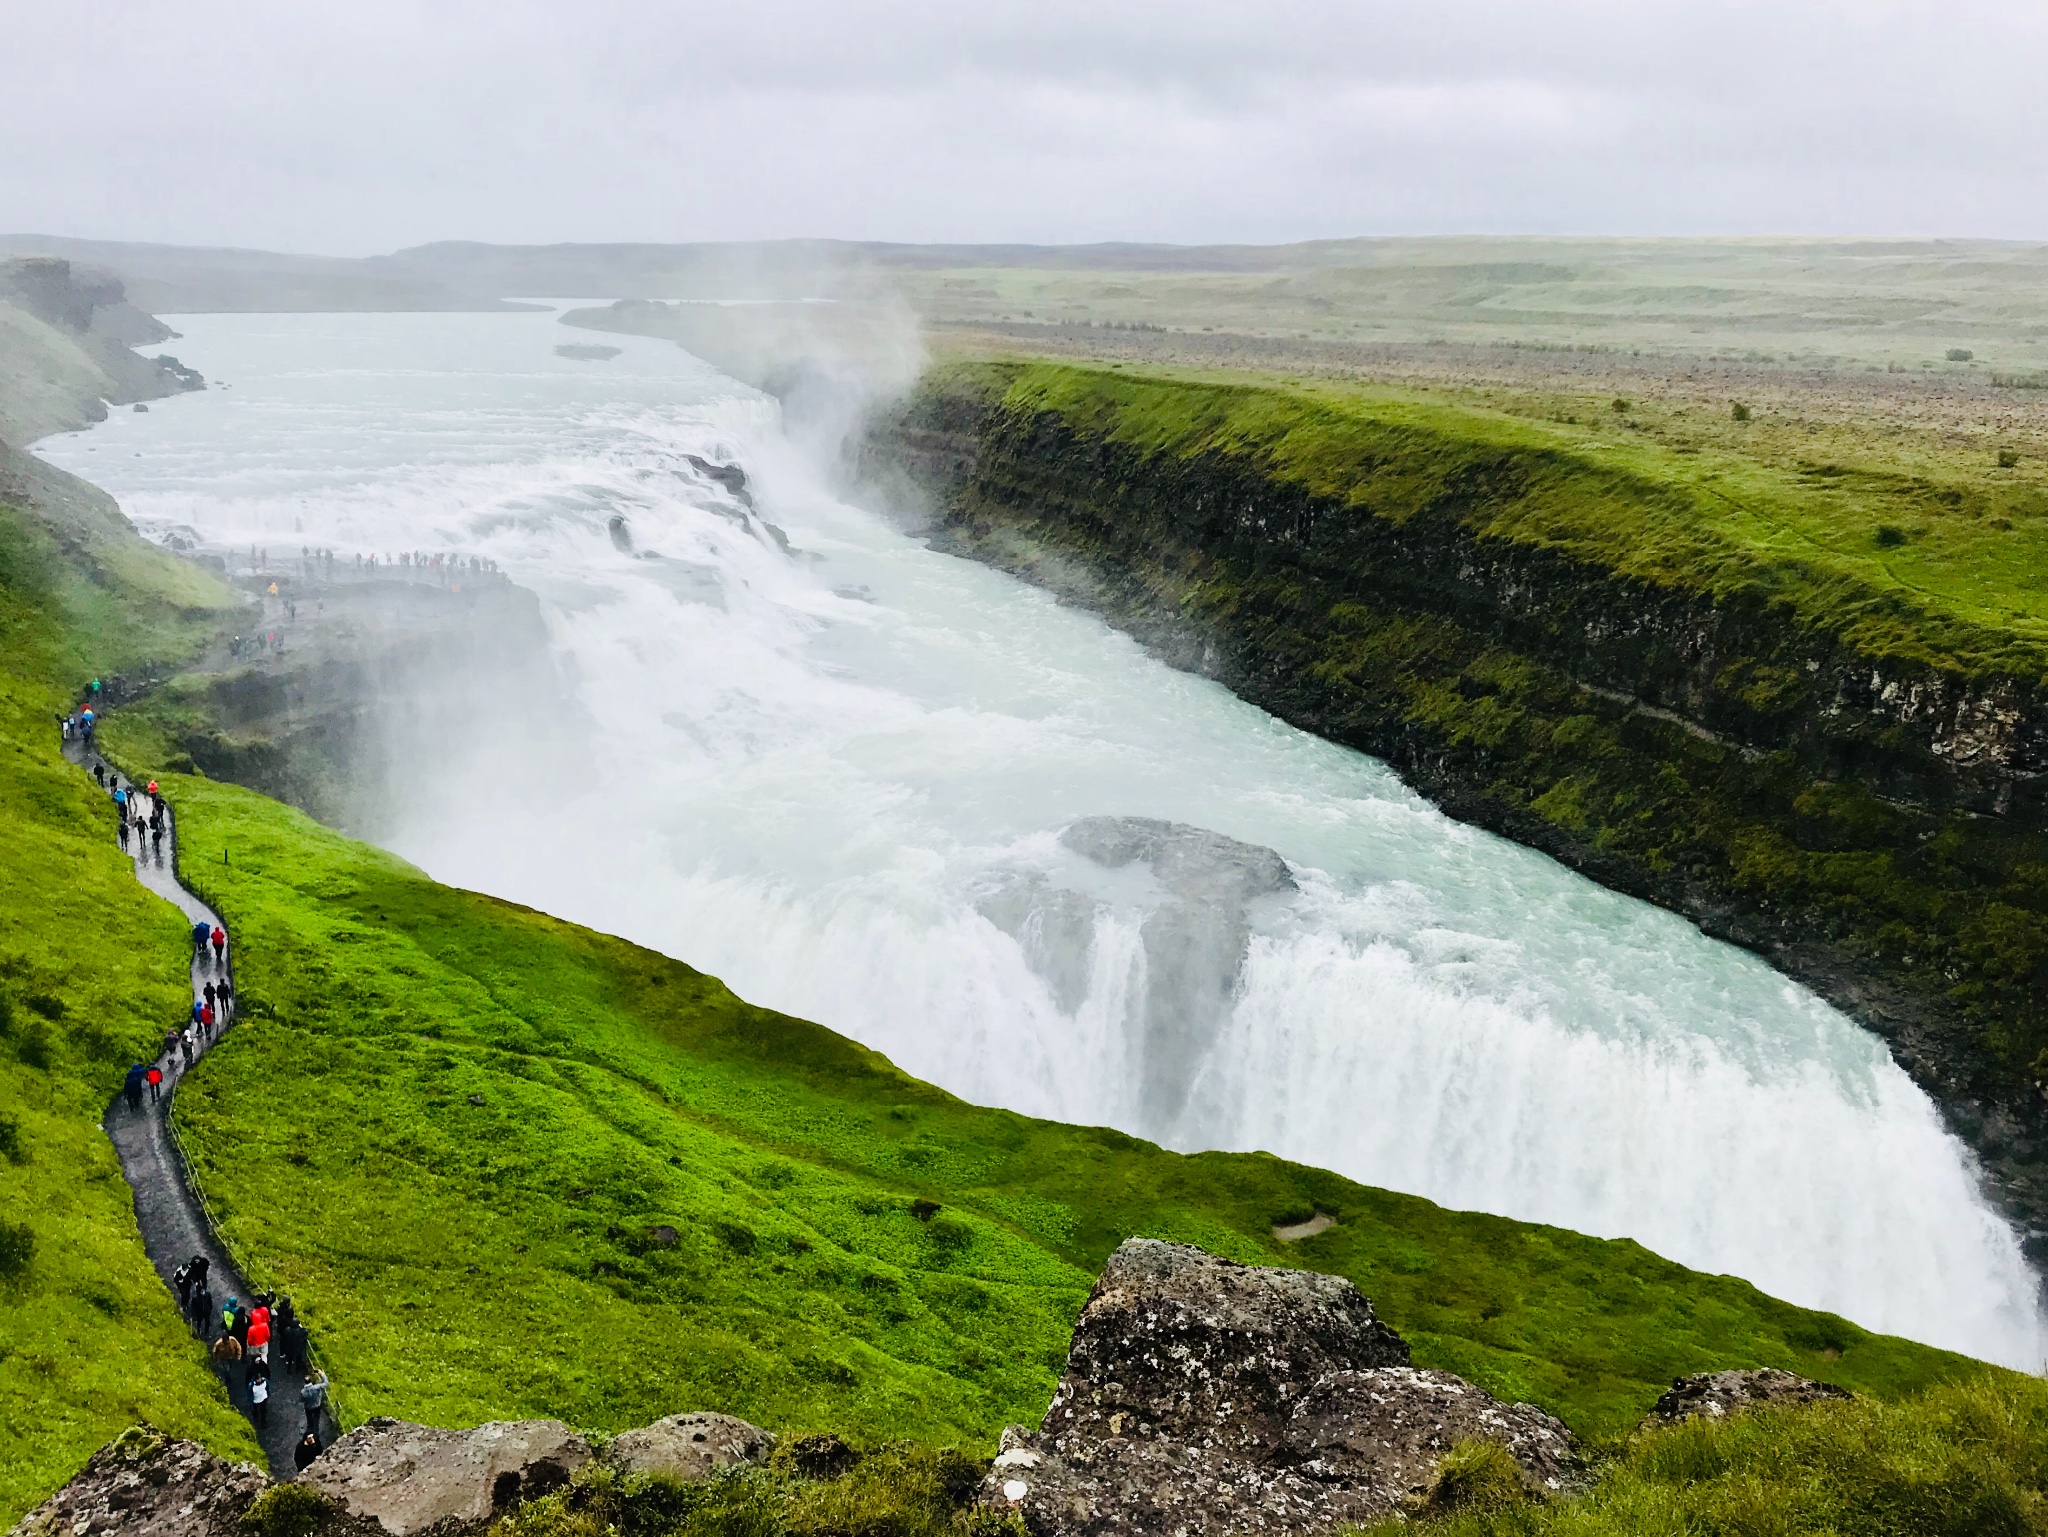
(911,798)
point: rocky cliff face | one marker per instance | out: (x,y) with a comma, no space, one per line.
(66,341)
(1874,824)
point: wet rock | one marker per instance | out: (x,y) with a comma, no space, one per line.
(689,1446)
(144,1484)
(730,476)
(1206,1396)
(1718,1394)
(1196,940)
(413,1478)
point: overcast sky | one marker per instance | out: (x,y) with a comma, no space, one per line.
(368,125)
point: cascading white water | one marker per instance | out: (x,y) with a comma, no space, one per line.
(918,801)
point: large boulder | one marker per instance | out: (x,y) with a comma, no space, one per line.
(144,1484)
(689,1446)
(410,1479)
(1206,1396)
(1719,1394)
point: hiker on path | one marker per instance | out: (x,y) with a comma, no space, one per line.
(209,992)
(133,1087)
(155,1078)
(220,941)
(259,1394)
(259,1335)
(227,1354)
(313,1396)
(206,1017)
(201,933)
(198,1011)
(185,1045)
(201,1311)
(122,833)
(182,1279)
(306,1452)
(291,1336)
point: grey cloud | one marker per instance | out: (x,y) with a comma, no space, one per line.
(387,122)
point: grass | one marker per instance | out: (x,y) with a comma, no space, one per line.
(1965,1460)
(91,974)
(894,1489)
(1968,589)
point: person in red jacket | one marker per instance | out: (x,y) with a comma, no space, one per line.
(206,1018)
(220,942)
(155,1076)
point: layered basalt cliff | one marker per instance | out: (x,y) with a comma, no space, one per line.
(1843,781)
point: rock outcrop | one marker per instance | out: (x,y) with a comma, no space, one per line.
(409,1479)
(144,1484)
(689,1446)
(1719,1394)
(1204,1396)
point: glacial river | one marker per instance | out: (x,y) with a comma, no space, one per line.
(917,800)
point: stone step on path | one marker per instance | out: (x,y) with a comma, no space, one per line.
(174,1223)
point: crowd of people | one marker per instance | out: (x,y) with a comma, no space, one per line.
(239,1335)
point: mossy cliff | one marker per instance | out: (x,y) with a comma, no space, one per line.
(1702,682)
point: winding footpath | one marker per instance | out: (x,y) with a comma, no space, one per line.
(175,1225)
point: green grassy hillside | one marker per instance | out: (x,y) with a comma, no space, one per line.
(91,973)
(453,1128)
(1966,585)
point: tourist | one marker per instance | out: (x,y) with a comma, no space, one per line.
(201,1311)
(313,1396)
(121,832)
(220,941)
(199,1265)
(227,1350)
(201,933)
(259,1394)
(182,1279)
(259,1335)
(133,1087)
(306,1451)
(206,1017)
(155,1078)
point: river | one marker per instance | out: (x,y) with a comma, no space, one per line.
(919,801)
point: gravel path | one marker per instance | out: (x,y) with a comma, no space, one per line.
(175,1226)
